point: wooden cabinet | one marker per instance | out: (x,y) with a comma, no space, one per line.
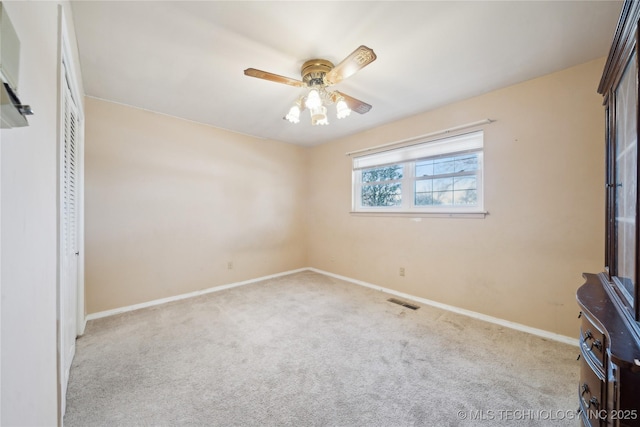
(609,388)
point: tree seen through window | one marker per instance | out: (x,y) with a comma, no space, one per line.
(381,186)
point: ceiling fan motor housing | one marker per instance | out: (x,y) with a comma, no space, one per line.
(314,70)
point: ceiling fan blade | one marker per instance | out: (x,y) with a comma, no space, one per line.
(359,58)
(355,104)
(252,72)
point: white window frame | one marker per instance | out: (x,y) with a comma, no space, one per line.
(407,156)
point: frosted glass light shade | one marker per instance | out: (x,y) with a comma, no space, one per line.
(342,109)
(319,116)
(294,114)
(313,99)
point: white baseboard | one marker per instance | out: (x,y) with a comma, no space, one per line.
(82,326)
(512,325)
(160,301)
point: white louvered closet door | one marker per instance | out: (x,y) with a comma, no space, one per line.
(68,234)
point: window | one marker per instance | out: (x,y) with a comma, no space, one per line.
(442,176)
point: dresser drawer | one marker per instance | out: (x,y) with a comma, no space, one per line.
(591,395)
(592,342)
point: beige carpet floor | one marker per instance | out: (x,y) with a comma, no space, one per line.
(310,350)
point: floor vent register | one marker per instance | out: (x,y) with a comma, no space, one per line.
(403,303)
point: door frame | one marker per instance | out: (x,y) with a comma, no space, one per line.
(67,72)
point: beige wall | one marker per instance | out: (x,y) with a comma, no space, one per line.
(170,202)
(544,174)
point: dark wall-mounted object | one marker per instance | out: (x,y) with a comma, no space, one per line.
(12,111)
(609,387)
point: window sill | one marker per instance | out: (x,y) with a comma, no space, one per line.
(477,215)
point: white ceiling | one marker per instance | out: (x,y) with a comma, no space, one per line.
(186,59)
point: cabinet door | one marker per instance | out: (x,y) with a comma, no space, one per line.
(624,182)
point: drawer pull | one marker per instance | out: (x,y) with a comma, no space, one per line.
(597,344)
(593,401)
(585,389)
(588,335)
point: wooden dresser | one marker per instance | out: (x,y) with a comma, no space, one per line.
(609,388)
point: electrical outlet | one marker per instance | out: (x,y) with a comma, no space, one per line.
(402,271)
(230,265)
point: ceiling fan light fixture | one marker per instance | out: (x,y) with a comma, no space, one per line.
(317,76)
(313,99)
(319,116)
(342,109)
(294,114)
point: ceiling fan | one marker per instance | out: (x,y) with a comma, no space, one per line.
(317,76)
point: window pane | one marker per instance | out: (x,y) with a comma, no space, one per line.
(424,168)
(464,190)
(444,166)
(382,194)
(423,192)
(386,173)
(434,192)
(443,198)
(466,163)
(443,184)
(465,197)
(424,186)
(464,183)
(446,191)
(447,165)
